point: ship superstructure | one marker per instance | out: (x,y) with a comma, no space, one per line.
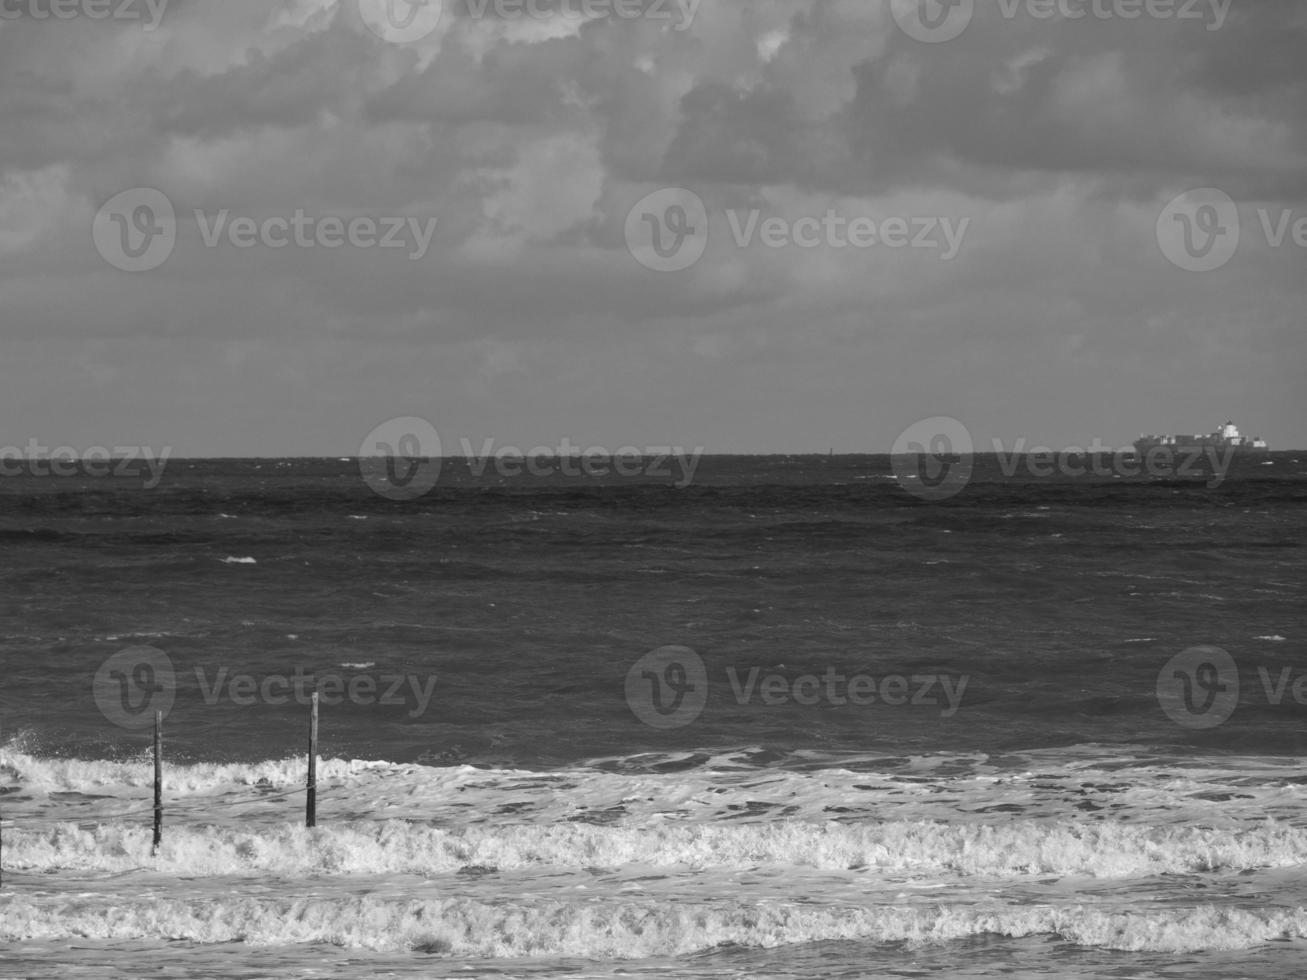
(1226,437)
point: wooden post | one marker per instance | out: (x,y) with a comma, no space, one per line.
(158,782)
(2,851)
(311,804)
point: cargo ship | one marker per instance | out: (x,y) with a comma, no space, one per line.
(1227,438)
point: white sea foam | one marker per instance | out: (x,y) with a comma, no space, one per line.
(622,860)
(617,929)
(914,850)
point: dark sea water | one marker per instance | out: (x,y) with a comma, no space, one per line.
(1023,791)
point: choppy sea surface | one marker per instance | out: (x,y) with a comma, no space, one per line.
(1051,726)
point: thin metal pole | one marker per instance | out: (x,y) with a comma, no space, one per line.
(311,804)
(158,781)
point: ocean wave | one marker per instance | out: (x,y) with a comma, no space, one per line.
(36,774)
(908,849)
(617,929)
(661,855)
(1094,784)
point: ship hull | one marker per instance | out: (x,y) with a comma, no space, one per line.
(1198,449)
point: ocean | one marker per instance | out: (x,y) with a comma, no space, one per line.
(792,718)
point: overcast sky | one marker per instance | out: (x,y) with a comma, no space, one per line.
(1060,309)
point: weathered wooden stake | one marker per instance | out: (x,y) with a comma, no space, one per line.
(158,781)
(311,804)
(2,852)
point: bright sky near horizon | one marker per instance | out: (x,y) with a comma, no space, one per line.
(887,211)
